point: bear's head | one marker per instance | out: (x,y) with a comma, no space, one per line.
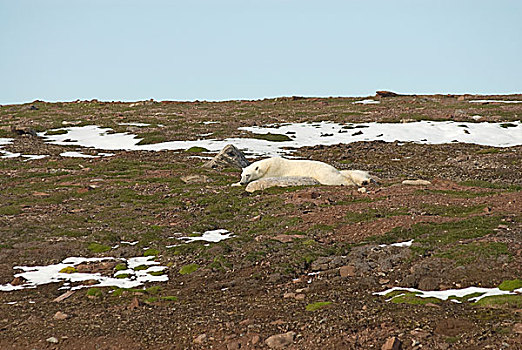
(251,173)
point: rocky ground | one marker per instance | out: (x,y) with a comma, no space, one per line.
(304,263)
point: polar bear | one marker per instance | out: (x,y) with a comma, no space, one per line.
(322,172)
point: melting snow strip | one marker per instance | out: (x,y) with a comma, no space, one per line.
(134,124)
(38,275)
(306,134)
(367,102)
(399,244)
(445,294)
(213,236)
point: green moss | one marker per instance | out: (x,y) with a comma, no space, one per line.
(486,184)
(141,267)
(68,269)
(153,290)
(169,298)
(56,132)
(123,275)
(412,298)
(188,269)
(465,297)
(433,235)
(120,266)
(318,305)
(98,248)
(151,252)
(157,273)
(10,210)
(452,340)
(503,300)
(452,210)
(151,300)
(94,292)
(196,149)
(464,254)
(510,285)
(151,138)
(272,137)
(489,150)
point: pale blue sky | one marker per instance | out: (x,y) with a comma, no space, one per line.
(245,49)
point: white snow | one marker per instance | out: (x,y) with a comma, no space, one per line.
(130,243)
(367,102)
(398,244)
(306,134)
(134,124)
(213,236)
(495,101)
(37,275)
(77,155)
(445,294)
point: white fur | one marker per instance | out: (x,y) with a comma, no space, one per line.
(322,172)
(359,177)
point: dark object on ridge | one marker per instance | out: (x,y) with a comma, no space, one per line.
(229,156)
(23,131)
(386,94)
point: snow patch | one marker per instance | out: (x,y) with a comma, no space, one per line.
(445,294)
(306,134)
(399,244)
(134,124)
(367,102)
(38,275)
(213,236)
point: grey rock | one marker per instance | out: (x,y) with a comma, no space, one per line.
(279,341)
(52,340)
(229,156)
(416,182)
(262,184)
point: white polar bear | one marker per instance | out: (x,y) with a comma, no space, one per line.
(322,172)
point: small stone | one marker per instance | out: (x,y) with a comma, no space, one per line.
(279,341)
(64,296)
(200,339)
(362,190)
(134,304)
(416,182)
(17,281)
(383,280)
(289,295)
(52,340)
(255,339)
(300,297)
(517,328)
(286,238)
(302,290)
(392,343)
(347,271)
(419,333)
(60,316)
